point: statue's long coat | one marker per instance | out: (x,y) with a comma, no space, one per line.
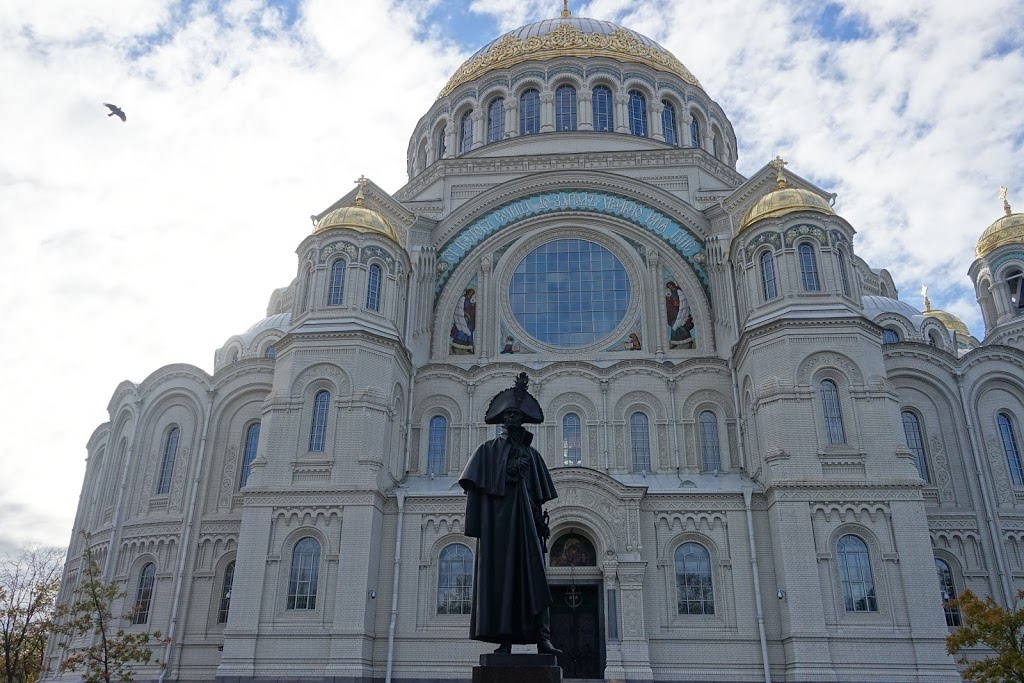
(510,588)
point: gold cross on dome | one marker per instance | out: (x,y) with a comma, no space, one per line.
(361,183)
(927,301)
(1006,204)
(778,164)
(565,9)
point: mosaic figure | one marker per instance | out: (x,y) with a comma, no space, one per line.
(464,323)
(680,322)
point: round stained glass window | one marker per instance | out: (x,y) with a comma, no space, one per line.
(569,293)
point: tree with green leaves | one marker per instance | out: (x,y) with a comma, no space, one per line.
(29,582)
(94,644)
(999,629)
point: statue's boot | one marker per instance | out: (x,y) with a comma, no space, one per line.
(544,646)
(504,649)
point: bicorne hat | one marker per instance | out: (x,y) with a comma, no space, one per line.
(515,397)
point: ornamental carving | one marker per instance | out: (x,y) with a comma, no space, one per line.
(227,481)
(798,231)
(1003,490)
(771,238)
(943,479)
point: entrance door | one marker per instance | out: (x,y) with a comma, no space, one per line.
(576,630)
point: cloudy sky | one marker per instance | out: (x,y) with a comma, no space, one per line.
(128,246)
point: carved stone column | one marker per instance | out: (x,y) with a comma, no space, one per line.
(621,113)
(685,119)
(636,653)
(511,117)
(655,333)
(586,109)
(486,318)
(547,111)
(478,128)
(657,132)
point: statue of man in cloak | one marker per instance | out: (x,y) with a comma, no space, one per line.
(506,483)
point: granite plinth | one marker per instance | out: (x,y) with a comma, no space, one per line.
(498,668)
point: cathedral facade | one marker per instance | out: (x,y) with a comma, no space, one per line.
(769,467)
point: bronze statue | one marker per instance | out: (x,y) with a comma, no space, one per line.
(506,483)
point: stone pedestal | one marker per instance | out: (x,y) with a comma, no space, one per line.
(496,668)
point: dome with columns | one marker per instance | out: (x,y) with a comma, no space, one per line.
(1007,229)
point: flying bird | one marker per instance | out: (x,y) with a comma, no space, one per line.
(115,111)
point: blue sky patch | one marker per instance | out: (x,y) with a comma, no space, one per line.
(453,18)
(837,25)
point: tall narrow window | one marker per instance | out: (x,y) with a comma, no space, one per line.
(669,126)
(768,285)
(890,336)
(373,288)
(572,452)
(318,429)
(604,116)
(695,592)
(337,292)
(529,112)
(947,589)
(423,155)
(225,594)
(711,459)
(844,277)
(496,120)
(809,268)
(565,108)
(144,594)
(1010,448)
(466,132)
(715,149)
(442,143)
(1015,287)
(455,580)
(252,441)
(637,113)
(833,413)
(912,430)
(694,133)
(304,573)
(640,442)
(307,291)
(167,465)
(855,574)
(437,445)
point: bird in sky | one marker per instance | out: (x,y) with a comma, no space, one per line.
(115,111)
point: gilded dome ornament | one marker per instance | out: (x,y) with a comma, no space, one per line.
(784,200)
(948,320)
(1007,229)
(357,217)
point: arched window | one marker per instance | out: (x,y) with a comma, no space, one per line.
(832,411)
(934,339)
(572,452)
(947,589)
(225,594)
(442,143)
(768,285)
(695,593)
(855,574)
(604,116)
(496,119)
(373,288)
(669,126)
(455,580)
(640,442)
(844,277)
(1015,287)
(715,135)
(466,132)
(336,295)
(423,155)
(890,336)
(307,291)
(711,459)
(144,594)
(270,353)
(565,108)
(529,112)
(809,268)
(912,430)
(637,113)
(1010,448)
(167,465)
(252,440)
(304,573)
(318,429)
(694,133)
(437,445)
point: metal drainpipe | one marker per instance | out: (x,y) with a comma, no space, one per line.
(185,539)
(394,586)
(757,586)
(985,492)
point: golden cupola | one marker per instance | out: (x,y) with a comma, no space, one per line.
(784,200)
(950,321)
(357,217)
(1008,229)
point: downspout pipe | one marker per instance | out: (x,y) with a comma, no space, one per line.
(394,585)
(757,586)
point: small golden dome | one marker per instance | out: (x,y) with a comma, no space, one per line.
(950,321)
(1008,229)
(357,217)
(784,200)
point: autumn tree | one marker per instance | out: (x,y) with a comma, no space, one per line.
(999,629)
(94,640)
(29,581)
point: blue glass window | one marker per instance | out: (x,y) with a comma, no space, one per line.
(1010,448)
(711,458)
(640,442)
(565,108)
(890,336)
(225,594)
(437,445)
(809,268)
(318,429)
(833,413)
(844,277)
(768,285)
(167,465)
(694,133)
(912,430)
(337,292)
(270,353)
(695,592)
(252,440)
(304,573)
(572,452)
(569,293)
(529,112)
(604,117)
(669,127)
(855,574)
(496,120)
(947,589)
(373,288)
(455,580)
(442,145)
(466,133)
(144,594)
(637,113)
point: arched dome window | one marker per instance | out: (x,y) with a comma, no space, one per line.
(640,442)
(437,445)
(496,119)
(1010,449)
(912,432)
(318,426)
(167,465)
(669,125)
(572,453)
(442,143)
(422,156)
(336,295)
(844,277)
(373,288)
(604,118)
(715,148)
(855,574)
(694,133)
(565,108)
(637,113)
(809,268)
(529,112)
(711,457)
(307,290)
(769,288)
(890,336)
(1015,288)
(466,132)
(832,412)
(252,441)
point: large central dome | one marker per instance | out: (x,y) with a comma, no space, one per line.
(567,37)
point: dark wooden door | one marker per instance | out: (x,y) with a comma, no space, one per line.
(576,630)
